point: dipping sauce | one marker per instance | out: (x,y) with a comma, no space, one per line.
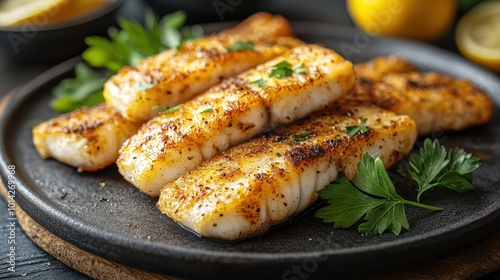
(49,12)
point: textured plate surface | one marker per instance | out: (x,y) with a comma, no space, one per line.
(118,222)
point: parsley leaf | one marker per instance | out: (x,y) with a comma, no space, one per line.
(389,216)
(83,90)
(347,204)
(300,137)
(434,167)
(209,110)
(372,178)
(127,45)
(145,86)
(361,79)
(372,195)
(299,68)
(260,83)
(241,46)
(353,130)
(283,69)
(165,110)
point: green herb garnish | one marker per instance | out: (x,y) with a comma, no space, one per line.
(165,110)
(281,70)
(128,44)
(145,86)
(300,137)
(434,167)
(284,69)
(355,129)
(361,79)
(370,194)
(83,90)
(299,68)
(260,83)
(467,4)
(241,46)
(209,110)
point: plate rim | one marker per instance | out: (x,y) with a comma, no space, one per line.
(44,214)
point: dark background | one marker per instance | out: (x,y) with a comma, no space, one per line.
(34,263)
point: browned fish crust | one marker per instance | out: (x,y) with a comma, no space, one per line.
(264,181)
(435,101)
(93,134)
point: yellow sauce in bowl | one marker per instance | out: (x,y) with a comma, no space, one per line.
(49,12)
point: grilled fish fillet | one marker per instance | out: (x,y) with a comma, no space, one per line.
(71,138)
(247,189)
(175,76)
(434,101)
(378,67)
(88,138)
(263,23)
(236,110)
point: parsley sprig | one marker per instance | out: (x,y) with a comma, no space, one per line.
(372,195)
(83,90)
(126,45)
(434,167)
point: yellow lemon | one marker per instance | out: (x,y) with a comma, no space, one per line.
(13,12)
(478,35)
(425,20)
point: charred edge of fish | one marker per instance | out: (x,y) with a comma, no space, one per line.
(299,155)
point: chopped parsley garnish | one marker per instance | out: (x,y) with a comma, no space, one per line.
(299,68)
(281,70)
(300,137)
(284,69)
(209,110)
(355,129)
(145,86)
(241,46)
(362,79)
(260,83)
(165,110)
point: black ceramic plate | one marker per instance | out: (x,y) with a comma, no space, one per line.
(120,223)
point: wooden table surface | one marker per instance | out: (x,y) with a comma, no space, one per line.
(34,263)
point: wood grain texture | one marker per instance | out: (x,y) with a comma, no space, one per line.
(74,257)
(471,263)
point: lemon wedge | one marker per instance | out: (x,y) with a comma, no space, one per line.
(14,12)
(478,35)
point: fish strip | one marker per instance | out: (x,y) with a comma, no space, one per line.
(376,68)
(236,110)
(71,138)
(263,23)
(245,190)
(175,76)
(435,101)
(88,138)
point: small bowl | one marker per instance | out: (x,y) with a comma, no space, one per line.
(38,41)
